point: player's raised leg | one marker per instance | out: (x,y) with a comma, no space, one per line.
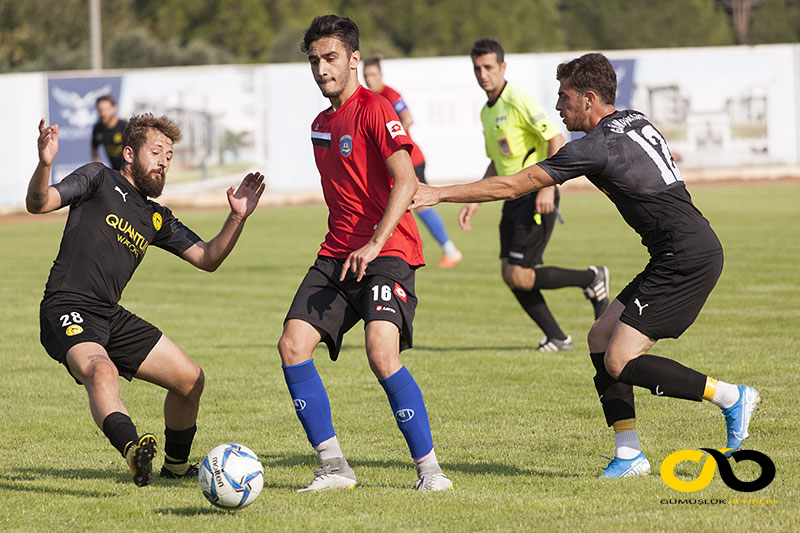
(169,367)
(405,398)
(312,405)
(88,362)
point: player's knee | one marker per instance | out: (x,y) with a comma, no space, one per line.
(597,338)
(101,373)
(383,361)
(614,365)
(191,386)
(198,385)
(519,278)
(291,351)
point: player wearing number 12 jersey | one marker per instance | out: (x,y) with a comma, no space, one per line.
(624,156)
(365,266)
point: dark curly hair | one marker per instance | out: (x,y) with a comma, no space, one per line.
(342,28)
(591,72)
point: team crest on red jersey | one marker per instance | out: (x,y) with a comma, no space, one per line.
(345,145)
(399,291)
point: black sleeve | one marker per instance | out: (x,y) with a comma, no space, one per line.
(81,184)
(587,155)
(173,236)
(95,140)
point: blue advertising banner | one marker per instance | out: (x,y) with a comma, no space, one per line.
(71,104)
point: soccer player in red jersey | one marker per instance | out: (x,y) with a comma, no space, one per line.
(365,266)
(373,76)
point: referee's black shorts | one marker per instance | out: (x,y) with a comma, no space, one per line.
(386,292)
(523,234)
(666,297)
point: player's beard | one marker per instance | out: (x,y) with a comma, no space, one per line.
(332,89)
(150,185)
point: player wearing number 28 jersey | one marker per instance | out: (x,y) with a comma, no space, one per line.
(624,156)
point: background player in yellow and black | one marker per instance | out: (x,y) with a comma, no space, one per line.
(107,132)
(517,132)
(625,157)
(110,226)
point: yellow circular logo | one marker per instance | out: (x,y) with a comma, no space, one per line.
(157,221)
(74,329)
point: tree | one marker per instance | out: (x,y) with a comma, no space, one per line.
(614,24)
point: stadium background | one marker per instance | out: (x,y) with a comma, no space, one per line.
(522,441)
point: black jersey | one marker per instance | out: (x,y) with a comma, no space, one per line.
(111,139)
(109,228)
(627,158)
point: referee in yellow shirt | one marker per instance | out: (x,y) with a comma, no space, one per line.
(517,133)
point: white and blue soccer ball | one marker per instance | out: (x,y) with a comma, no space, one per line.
(231,476)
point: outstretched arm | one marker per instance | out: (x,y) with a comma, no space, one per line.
(546,199)
(405,185)
(467,211)
(209,255)
(41,197)
(527,180)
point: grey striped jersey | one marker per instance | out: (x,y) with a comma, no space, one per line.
(627,159)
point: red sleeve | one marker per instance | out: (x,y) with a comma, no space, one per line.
(385,128)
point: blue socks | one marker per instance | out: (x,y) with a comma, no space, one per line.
(434,223)
(310,401)
(408,407)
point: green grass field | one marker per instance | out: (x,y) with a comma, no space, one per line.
(521,434)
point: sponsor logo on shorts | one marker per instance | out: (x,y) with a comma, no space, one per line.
(516,255)
(384,308)
(640,306)
(395,128)
(399,291)
(157,221)
(346,145)
(73,330)
(299,404)
(404,415)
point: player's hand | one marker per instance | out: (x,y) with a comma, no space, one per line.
(426,196)
(47,143)
(245,199)
(546,200)
(465,215)
(358,260)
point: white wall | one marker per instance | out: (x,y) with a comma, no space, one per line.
(718,107)
(23,102)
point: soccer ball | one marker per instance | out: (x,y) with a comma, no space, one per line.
(231,476)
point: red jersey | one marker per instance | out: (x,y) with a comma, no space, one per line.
(399,106)
(351,146)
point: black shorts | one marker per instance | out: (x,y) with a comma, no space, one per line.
(67,321)
(419,170)
(665,298)
(386,292)
(524,234)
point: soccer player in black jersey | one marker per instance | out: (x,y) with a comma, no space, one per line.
(625,157)
(111,224)
(108,131)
